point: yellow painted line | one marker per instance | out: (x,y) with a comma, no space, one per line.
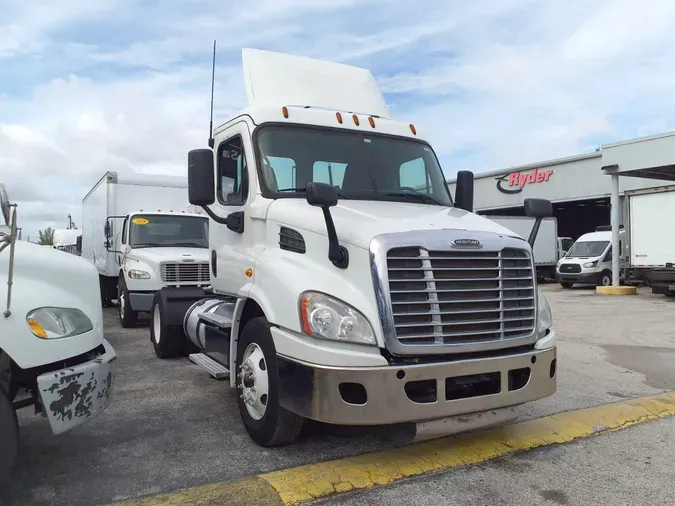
(305,483)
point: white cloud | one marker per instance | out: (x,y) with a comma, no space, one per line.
(120,84)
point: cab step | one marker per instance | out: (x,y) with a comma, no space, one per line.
(215,369)
(219,321)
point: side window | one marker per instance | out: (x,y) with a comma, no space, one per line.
(413,174)
(332,173)
(608,255)
(232,174)
(123,240)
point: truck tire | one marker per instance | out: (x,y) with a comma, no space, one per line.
(566,285)
(128,317)
(167,340)
(265,420)
(9,439)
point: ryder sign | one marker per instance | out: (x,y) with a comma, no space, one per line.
(516,181)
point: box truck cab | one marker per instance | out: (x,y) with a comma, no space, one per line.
(340,292)
(67,240)
(158,249)
(53,355)
(589,260)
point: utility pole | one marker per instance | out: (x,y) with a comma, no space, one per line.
(71,225)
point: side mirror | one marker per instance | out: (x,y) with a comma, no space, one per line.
(325,196)
(321,194)
(107,229)
(78,243)
(125,249)
(201,180)
(464,190)
(538,208)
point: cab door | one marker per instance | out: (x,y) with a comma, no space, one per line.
(231,252)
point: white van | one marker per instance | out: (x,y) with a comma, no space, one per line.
(589,260)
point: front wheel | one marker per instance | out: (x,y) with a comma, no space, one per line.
(605,279)
(9,439)
(566,285)
(128,317)
(265,420)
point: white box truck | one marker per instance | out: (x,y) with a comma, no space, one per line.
(339,292)
(53,354)
(650,234)
(67,239)
(139,232)
(548,248)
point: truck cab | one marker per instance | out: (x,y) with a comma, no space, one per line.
(346,284)
(589,260)
(53,354)
(158,249)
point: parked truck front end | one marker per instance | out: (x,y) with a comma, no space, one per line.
(348,287)
(53,355)
(156,250)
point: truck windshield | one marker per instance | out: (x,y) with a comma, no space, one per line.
(154,230)
(587,249)
(362,166)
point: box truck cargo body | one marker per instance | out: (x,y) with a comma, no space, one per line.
(651,238)
(547,248)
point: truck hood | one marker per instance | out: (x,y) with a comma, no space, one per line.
(45,277)
(158,255)
(358,221)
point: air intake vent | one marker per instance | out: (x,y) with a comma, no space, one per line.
(290,240)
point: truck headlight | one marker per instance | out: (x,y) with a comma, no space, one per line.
(544,315)
(58,322)
(588,265)
(329,318)
(136,274)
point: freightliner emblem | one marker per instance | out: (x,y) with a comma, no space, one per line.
(467,243)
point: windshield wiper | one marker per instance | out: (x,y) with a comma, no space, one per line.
(339,193)
(188,244)
(422,197)
(146,244)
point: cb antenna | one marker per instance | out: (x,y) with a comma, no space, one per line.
(213,80)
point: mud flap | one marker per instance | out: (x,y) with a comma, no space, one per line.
(433,429)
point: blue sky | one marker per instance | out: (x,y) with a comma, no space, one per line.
(116,84)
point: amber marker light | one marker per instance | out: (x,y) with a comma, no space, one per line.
(339,117)
(248,272)
(303,313)
(371,120)
(356,119)
(413,129)
(284,111)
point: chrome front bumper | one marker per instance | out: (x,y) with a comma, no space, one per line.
(382,395)
(74,395)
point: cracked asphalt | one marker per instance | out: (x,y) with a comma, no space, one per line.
(172,426)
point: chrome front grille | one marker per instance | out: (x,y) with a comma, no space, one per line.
(185,272)
(467,298)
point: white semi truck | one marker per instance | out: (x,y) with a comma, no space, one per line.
(548,248)
(649,255)
(141,234)
(53,355)
(339,292)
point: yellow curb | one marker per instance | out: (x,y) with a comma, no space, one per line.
(616,290)
(304,483)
